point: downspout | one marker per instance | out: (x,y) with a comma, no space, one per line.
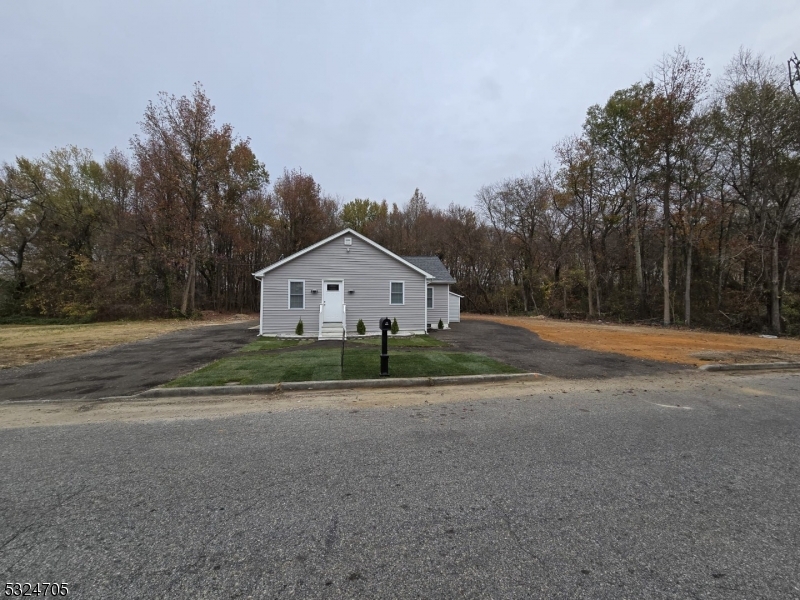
(261,308)
(448,306)
(425,295)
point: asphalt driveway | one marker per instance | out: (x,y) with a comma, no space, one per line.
(526,350)
(125,369)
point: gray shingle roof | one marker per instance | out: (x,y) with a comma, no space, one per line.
(432,265)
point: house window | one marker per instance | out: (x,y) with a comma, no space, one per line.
(297,296)
(430,297)
(396,296)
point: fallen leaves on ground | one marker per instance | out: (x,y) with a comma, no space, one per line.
(656,343)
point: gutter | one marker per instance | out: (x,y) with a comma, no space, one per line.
(270,388)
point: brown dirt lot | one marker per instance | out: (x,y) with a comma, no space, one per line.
(655,343)
(25,344)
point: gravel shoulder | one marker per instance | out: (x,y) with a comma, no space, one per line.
(14,415)
(124,369)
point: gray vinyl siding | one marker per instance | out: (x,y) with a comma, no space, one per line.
(455,308)
(365,270)
(440,300)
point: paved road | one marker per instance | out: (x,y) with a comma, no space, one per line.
(125,369)
(526,350)
(588,494)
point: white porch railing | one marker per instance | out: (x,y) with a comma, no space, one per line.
(344,319)
(321,311)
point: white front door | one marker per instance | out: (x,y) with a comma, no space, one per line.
(333,297)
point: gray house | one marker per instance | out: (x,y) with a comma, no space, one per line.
(347,277)
(438,288)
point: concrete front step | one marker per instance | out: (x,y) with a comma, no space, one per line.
(331,331)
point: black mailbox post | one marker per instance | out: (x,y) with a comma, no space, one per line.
(385,324)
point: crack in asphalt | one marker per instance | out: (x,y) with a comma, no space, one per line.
(514,535)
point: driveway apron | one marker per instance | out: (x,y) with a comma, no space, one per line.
(525,350)
(125,369)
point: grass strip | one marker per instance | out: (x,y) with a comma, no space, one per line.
(271,343)
(248,368)
(414,341)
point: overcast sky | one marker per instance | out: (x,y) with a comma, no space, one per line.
(372,98)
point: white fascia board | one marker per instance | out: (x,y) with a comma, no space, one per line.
(348,231)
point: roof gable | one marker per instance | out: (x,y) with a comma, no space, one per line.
(348,231)
(434,266)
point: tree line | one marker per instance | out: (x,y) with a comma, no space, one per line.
(677,202)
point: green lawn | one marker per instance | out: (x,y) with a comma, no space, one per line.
(271,343)
(405,341)
(324,364)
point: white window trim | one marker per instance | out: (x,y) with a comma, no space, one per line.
(289,293)
(430,287)
(403,303)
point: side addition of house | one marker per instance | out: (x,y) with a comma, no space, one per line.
(438,293)
(347,277)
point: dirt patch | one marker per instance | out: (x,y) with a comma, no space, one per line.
(26,344)
(655,343)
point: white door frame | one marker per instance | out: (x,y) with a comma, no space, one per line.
(325,311)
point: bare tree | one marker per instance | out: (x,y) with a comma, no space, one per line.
(679,87)
(186,153)
(514,208)
(619,128)
(304,214)
(26,207)
(583,203)
(794,75)
(758,132)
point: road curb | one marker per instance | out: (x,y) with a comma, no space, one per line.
(751,366)
(269,388)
